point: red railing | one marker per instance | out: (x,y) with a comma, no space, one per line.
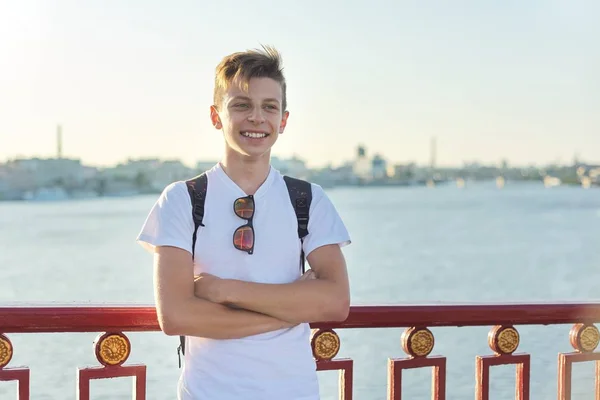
(113,347)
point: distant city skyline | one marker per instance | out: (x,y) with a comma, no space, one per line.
(360,150)
(350,157)
(514,81)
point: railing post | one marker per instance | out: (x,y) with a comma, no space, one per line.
(21,375)
(584,338)
(112,349)
(325,345)
(418,344)
(503,340)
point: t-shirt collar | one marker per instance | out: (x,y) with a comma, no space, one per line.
(263,188)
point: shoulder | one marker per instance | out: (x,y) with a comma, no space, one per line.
(174,192)
(169,222)
(304,188)
(317,191)
(174,199)
(299,184)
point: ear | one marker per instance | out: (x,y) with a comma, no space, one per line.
(283,123)
(214,117)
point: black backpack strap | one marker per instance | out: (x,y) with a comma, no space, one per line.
(197,188)
(301,196)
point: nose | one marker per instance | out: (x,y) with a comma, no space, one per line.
(256,116)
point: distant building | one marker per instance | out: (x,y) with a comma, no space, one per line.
(361,152)
(361,167)
(169,171)
(203,166)
(379,168)
(132,168)
(150,173)
(26,174)
(402,171)
(294,166)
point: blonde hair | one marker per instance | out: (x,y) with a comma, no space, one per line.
(242,66)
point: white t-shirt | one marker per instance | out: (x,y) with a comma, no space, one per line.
(273,365)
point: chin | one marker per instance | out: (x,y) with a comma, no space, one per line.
(254,154)
(255,151)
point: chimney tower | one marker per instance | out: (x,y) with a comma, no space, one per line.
(59,142)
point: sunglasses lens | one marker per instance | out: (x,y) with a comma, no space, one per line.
(244,207)
(243,239)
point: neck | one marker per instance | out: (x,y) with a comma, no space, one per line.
(248,173)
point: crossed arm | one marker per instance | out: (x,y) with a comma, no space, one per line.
(225,309)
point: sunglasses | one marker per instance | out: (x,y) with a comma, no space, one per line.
(243,237)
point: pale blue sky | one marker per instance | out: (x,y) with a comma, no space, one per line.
(491,79)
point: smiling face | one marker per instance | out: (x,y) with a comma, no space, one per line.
(249,103)
(251,117)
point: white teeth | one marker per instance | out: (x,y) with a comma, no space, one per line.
(255,135)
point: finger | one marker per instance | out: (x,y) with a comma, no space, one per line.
(307,275)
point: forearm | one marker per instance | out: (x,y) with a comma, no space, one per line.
(302,301)
(199,317)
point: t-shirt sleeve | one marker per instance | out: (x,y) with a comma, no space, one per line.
(170,221)
(325,226)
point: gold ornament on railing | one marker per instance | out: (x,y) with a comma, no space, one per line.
(6,351)
(584,338)
(503,339)
(112,349)
(417,342)
(325,344)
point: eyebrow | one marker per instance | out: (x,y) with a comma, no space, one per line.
(269,100)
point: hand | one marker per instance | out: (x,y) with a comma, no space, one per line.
(308,275)
(209,287)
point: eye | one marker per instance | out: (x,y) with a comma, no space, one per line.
(271,107)
(241,105)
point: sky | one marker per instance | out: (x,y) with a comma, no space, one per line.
(491,80)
